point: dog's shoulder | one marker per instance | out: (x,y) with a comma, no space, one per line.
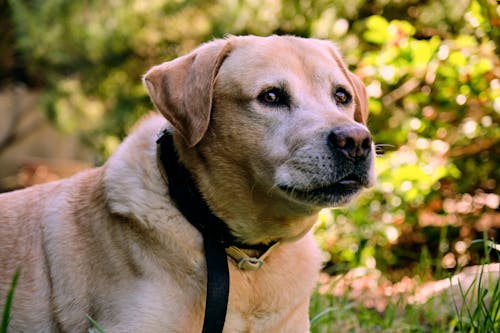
(132,181)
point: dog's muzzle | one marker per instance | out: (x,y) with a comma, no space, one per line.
(350,148)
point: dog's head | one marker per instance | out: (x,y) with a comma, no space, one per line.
(274,124)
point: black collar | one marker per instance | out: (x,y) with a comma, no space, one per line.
(217,237)
(216,234)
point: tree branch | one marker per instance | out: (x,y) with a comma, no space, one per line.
(401,91)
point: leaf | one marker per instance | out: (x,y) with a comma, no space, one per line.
(377,30)
(457,59)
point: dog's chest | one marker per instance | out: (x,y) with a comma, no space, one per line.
(260,301)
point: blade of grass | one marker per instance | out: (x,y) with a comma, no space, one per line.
(95,324)
(8,302)
(314,321)
(470,318)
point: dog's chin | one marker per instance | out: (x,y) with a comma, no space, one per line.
(326,195)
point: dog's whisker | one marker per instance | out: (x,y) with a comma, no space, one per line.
(382,148)
(273,188)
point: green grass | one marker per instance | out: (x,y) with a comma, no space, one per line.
(475,309)
(484,315)
(96,327)
(331,314)
(481,313)
(8,303)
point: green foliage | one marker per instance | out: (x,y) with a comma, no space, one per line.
(437,101)
(431,69)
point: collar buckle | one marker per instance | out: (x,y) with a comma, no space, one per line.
(246,262)
(250,264)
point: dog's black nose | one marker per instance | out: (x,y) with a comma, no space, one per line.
(354,141)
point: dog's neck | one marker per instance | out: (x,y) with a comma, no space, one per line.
(188,199)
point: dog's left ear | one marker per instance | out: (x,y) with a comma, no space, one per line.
(182,89)
(361,97)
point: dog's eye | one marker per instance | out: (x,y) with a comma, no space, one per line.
(274,97)
(342,96)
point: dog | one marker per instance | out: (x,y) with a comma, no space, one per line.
(271,130)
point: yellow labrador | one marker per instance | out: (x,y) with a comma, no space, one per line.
(271,130)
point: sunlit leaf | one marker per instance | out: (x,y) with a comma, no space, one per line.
(377,30)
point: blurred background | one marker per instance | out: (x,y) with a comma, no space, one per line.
(70,89)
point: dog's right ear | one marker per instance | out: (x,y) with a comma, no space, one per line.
(182,89)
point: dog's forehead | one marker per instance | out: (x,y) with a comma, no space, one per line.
(271,51)
(274,59)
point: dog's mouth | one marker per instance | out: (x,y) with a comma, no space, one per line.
(336,193)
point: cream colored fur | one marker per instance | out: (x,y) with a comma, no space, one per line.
(110,244)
